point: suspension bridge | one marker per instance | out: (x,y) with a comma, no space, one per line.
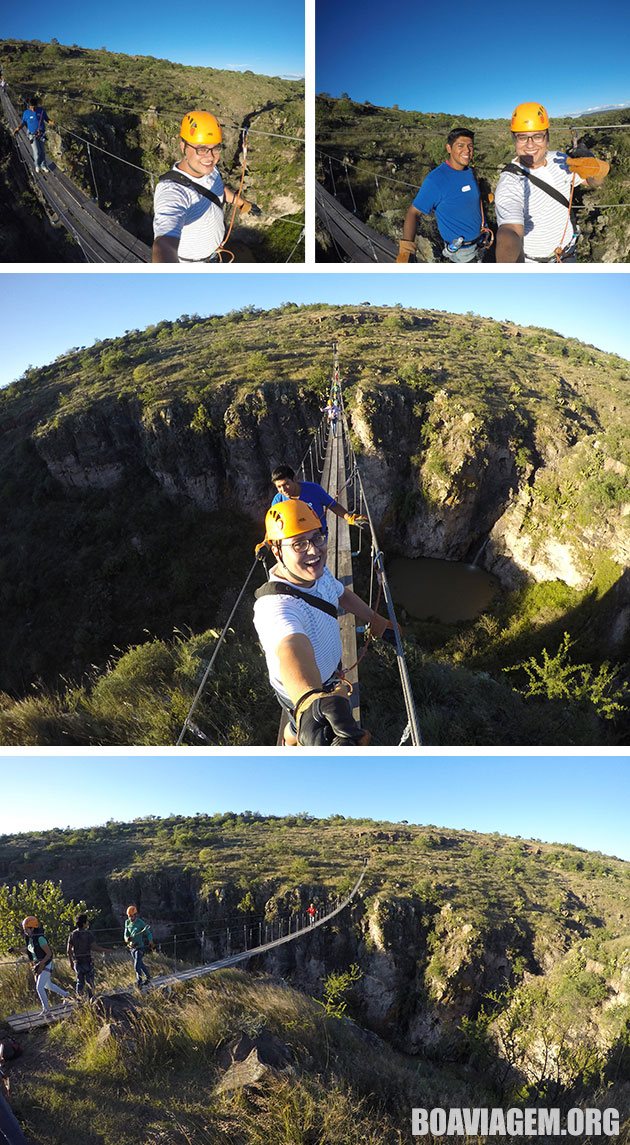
(296,928)
(100,238)
(350,236)
(331,457)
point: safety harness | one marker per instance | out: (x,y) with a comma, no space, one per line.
(174,176)
(560,251)
(275,588)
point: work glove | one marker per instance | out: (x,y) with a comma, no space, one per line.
(325,719)
(357,519)
(383,629)
(587,166)
(406,251)
(247,208)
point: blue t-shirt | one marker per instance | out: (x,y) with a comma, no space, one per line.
(314,496)
(35,120)
(454,198)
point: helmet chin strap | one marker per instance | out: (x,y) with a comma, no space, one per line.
(299,579)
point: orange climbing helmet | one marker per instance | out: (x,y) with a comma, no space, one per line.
(201,128)
(289,519)
(30,923)
(530,117)
(132,911)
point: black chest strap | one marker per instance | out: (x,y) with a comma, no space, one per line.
(275,588)
(516,169)
(174,176)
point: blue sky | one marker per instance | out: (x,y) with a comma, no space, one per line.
(266,37)
(467,59)
(566,800)
(592,307)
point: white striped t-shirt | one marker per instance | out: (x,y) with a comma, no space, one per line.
(519,201)
(278,616)
(181,213)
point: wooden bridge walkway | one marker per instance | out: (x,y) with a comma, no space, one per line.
(358,241)
(99,237)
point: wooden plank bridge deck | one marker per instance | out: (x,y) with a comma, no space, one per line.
(358,241)
(100,237)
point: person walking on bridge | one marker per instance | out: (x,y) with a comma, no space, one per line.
(450,192)
(40,957)
(333,413)
(315,496)
(535,192)
(139,939)
(79,950)
(34,119)
(188,203)
(296,619)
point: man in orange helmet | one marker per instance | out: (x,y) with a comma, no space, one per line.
(139,938)
(188,224)
(295,616)
(534,193)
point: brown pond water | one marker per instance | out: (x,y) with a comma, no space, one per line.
(445,590)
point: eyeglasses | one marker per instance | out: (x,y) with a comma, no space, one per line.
(537,137)
(301,544)
(215,151)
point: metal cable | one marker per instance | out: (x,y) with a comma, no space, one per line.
(379,567)
(299,240)
(219,645)
(92,170)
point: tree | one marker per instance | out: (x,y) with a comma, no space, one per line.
(337,986)
(44,900)
(557,678)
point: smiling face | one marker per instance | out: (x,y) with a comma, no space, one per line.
(531,147)
(460,152)
(198,161)
(308,565)
(288,487)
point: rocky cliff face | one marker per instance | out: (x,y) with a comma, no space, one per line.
(222,449)
(441,480)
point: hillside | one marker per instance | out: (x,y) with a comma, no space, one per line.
(138,487)
(469,949)
(132,107)
(388,152)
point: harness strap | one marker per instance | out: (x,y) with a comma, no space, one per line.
(275,588)
(173,176)
(515,169)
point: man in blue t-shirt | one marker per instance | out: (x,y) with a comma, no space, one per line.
(34,119)
(312,494)
(450,192)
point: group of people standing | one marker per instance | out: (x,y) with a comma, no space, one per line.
(80,948)
(533,197)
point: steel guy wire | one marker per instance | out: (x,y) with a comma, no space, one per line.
(217,649)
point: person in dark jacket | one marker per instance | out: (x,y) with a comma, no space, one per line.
(80,946)
(40,956)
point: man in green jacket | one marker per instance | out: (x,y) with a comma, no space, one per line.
(138,938)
